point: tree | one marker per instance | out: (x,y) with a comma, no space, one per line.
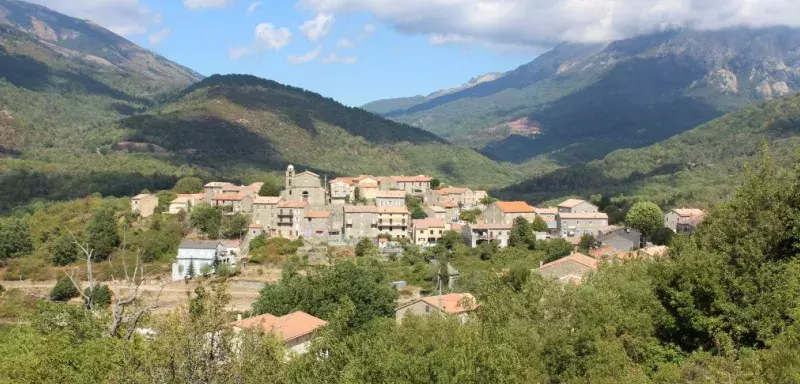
(539,225)
(258,242)
(234,226)
(188,185)
(488,200)
(450,239)
(470,215)
(521,233)
(15,239)
(206,269)
(588,242)
(206,219)
(662,236)
(102,231)
(270,188)
(365,247)
(357,195)
(418,214)
(486,250)
(64,251)
(165,198)
(191,272)
(100,296)
(555,249)
(435,183)
(321,293)
(646,217)
(517,277)
(64,290)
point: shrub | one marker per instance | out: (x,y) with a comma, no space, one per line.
(64,290)
(64,251)
(101,296)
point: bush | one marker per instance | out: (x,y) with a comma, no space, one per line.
(2,289)
(188,185)
(365,247)
(64,251)
(64,290)
(103,237)
(258,242)
(101,296)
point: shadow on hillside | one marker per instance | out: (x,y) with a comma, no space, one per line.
(25,72)
(638,103)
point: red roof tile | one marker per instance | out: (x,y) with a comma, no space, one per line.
(514,206)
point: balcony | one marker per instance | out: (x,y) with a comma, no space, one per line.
(285,212)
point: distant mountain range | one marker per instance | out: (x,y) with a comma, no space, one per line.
(578,102)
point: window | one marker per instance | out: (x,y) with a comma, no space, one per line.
(427,309)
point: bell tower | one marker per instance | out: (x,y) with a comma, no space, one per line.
(289,178)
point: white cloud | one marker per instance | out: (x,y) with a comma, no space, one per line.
(546,22)
(124,17)
(305,57)
(266,37)
(252,8)
(368,30)
(206,4)
(157,37)
(344,43)
(317,27)
(334,58)
(238,53)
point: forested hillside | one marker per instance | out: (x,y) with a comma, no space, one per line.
(698,166)
(577,103)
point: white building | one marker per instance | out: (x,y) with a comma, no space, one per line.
(199,254)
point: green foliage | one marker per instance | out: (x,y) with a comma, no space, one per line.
(275,250)
(662,236)
(235,225)
(64,290)
(435,183)
(206,219)
(102,234)
(366,247)
(418,214)
(517,277)
(588,242)
(270,188)
(539,225)
(555,249)
(192,272)
(64,251)
(450,239)
(521,234)
(258,242)
(645,217)
(164,199)
(189,184)
(470,215)
(100,296)
(15,239)
(206,269)
(320,294)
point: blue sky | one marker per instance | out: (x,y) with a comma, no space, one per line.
(357,51)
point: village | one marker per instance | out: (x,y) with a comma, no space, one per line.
(389,210)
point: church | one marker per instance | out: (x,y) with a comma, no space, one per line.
(304,187)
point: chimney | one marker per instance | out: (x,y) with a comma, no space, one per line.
(239,317)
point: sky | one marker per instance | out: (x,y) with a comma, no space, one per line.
(357,51)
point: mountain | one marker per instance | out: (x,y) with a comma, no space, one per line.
(700,166)
(238,121)
(579,102)
(390,105)
(61,76)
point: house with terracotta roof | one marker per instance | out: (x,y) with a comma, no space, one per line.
(460,196)
(452,211)
(572,268)
(290,214)
(475,234)
(237,201)
(250,190)
(623,238)
(296,330)
(451,304)
(314,227)
(412,185)
(684,220)
(341,189)
(144,204)
(360,221)
(504,212)
(577,206)
(428,231)
(265,213)
(550,217)
(304,187)
(185,202)
(435,211)
(390,198)
(579,224)
(394,220)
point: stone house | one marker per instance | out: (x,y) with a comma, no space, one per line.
(360,221)
(579,224)
(452,304)
(684,220)
(572,268)
(237,201)
(426,232)
(391,198)
(296,330)
(265,213)
(475,234)
(304,187)
(290,214)
(412,185)
(198,254)
(145,204)
(435,211)
(624,239)
(550,217)
(394,220)
(185,202)
(214,188)
(452,211)
(504,212)
(341,188)
(577,206)
(314,226)
(249,190)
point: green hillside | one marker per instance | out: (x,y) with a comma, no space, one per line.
(389,105)
(700,166)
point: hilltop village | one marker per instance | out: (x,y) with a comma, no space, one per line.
(390,209)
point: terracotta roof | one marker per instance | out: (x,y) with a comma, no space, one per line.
(437,209)
(427,223)
(452,302)
(255,187)
(605,250)
(576,257)
(292,204)
(288,327)
(200,196)
(254,225)
(574,240)
(456,227)
(655,250)
(514,206)
(691,212)
(233,243)
(491,226)
(229,196)
(360,209)
(368,185)
(583,215)
(391,194)
(308,173)
(452,191)
(481,194)
(394,209)
(449,204)
(406,179)
(267,200)
(545,211)
(141,196)
(318,214)
(608,228)
(181,199)
(345,180)
(571,203)
(217,184)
